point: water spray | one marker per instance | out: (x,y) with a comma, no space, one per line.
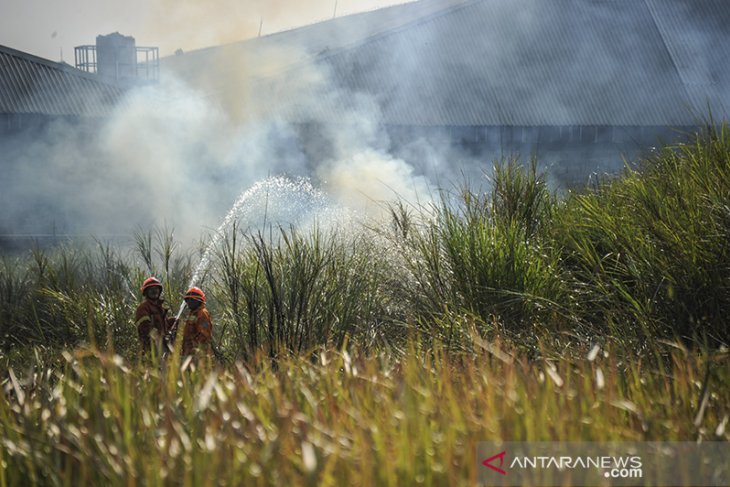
(292,193)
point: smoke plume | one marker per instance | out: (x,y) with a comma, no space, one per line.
(178,153)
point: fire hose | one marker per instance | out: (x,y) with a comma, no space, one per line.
(168,341)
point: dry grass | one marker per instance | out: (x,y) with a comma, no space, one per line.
(466,322)
(338,419)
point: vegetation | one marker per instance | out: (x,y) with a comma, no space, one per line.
(381,356)
(342,419)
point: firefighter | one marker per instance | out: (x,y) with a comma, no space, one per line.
(198,326)
(151,316)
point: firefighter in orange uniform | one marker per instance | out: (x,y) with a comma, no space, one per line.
(151,316)
(198,326)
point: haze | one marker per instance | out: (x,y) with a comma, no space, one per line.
(51,29)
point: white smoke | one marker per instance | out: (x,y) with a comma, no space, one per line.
(177,154)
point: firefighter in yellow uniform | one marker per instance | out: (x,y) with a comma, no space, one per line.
(198,326)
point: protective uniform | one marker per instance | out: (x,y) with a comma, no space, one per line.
(151,315)
(198,325)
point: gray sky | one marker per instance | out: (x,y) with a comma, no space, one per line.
(48,27)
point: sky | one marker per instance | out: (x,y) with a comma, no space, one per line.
(52,28)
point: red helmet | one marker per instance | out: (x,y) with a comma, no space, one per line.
(195,293)
(150,282)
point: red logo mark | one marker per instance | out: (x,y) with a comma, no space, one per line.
(488,462)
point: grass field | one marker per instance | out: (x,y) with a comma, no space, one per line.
(341,418)
(381,356)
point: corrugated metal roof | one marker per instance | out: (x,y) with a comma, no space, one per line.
(522,62)
(525,62)
(697,34)
(29,84)
(274,55)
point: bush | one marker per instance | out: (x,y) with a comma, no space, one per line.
(485,256)
(649,252)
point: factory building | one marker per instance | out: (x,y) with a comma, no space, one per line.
(582,85)
(579,84)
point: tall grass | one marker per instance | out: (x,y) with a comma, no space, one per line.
(649,252)
(639,257)
(77,294)
(344,419)
(485,255)
(382,355)
(290,292)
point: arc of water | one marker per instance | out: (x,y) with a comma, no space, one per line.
(277,182)
(217,236)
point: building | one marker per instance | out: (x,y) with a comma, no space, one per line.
(39,100)
(578,83)
(35,91)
